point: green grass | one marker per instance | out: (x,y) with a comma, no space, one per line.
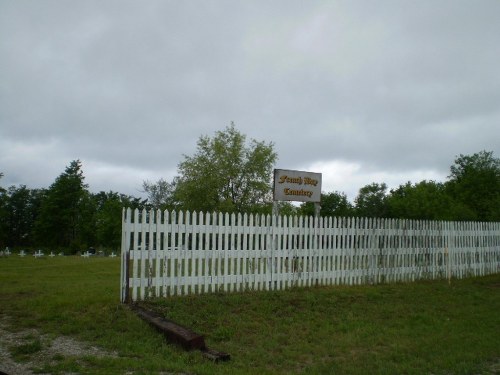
(22,351)
(419,328)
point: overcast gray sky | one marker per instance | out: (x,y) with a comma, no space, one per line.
(360,91)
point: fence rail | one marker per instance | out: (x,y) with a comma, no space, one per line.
(171,253)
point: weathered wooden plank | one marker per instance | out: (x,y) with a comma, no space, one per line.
(174,332)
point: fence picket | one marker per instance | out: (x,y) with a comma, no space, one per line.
(175,253)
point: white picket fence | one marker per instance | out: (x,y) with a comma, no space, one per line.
(170,253)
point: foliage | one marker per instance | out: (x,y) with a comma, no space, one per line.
(109,208)
(160,194)
(285,209)
(65,217)
(60,221)
(23,206)
(426,200)
(475,182)
(471,193)
(226,175)
(332,204)
(4,229)
(371,201)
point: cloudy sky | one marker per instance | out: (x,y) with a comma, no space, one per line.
(360,91)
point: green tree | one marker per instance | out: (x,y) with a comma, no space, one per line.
(61,222)
(371,201)
(332,204)
(284,209)
(475,182)
(226,175)
(160,194)
(133,202)
(23,206)
(108,219)
(87,221)
(426,200)
(3,217)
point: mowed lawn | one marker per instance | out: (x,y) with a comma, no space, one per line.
(429,327)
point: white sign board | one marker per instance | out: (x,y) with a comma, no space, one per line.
(297,186)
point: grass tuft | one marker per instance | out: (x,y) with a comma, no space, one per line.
(22,351)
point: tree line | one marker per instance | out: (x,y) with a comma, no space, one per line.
(229,174)
(65,217)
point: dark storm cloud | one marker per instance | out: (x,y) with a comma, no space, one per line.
(387,89)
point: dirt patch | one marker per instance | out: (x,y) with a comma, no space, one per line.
(37,350)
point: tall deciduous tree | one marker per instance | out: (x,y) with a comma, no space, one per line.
(371,200)
(61,222)
(160,193)
(226,175)
(475,182)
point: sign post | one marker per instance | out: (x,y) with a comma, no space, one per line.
(291,185)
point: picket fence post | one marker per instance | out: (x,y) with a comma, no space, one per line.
(177,253)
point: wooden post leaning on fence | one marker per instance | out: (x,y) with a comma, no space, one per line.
(125,259)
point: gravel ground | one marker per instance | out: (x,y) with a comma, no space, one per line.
(50,348)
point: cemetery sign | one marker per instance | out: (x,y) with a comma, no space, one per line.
(290,185)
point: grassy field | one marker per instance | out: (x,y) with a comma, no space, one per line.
(420,328)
